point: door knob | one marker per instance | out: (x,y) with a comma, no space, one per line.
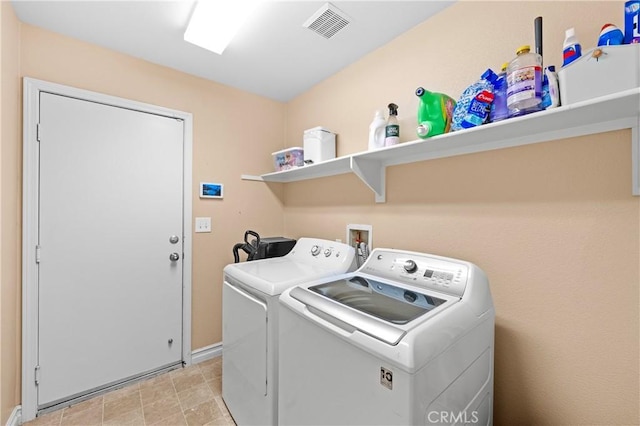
(174,239)
(174,256)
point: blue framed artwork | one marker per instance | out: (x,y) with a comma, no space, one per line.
(211,190)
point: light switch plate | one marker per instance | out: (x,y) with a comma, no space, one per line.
(203,224)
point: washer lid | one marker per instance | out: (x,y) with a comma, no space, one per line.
(378,309)
(273,276)
(387,302)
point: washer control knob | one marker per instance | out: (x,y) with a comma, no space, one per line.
(327,252)
(315,250)
(410,266)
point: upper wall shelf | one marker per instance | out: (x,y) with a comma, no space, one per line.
(607,113)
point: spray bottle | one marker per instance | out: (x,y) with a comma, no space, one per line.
(434,113)
(392,129)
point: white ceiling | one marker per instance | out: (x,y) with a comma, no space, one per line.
(273,55)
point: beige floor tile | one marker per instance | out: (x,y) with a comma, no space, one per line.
(49,419)
(203,414)
(212,371)
(118,408)
(161,409)
(222,405)
(195,395)
(88,417)
(85,405)
(186,379)
(129,418)
(155,381)
(175,420)
(119,393)
(209,362)
(216,385)
(151,394)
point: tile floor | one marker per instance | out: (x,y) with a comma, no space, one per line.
(188,396)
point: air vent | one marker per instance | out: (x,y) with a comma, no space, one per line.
(327,21)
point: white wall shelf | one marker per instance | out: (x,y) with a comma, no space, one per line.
(607,113)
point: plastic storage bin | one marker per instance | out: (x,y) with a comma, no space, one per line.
(615,70)
(288,158)
(319,145)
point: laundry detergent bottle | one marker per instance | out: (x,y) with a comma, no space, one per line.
(377,130)
(435,111)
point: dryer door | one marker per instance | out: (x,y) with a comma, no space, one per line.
(244,342)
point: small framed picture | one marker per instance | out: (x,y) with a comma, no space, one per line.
(211,190)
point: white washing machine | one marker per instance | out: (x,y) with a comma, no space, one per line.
(250,322)
(407,339)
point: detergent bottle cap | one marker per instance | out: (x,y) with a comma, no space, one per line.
(523,49)
(552,68)
(393,109)
(504,67)
(420,91)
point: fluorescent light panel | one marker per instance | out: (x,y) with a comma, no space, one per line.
(215,22)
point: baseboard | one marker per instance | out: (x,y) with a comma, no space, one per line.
(15,419)
(208,352)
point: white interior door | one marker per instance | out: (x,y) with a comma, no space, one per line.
(110,199)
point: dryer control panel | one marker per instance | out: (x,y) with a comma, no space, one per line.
(438,273)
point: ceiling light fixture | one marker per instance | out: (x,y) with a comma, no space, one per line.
(214,23)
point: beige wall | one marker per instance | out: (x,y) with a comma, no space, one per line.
(554,225)
(10,216)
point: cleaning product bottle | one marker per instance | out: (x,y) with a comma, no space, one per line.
(377,131)
(434,113)
(554,86)
(524,82)
(499,110)
(546,97)
(474,104)
(392,129)
(571,49)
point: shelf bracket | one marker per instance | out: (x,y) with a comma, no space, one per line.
(635,157)
(252,177)
(372,173)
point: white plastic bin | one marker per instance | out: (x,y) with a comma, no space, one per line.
(319,145)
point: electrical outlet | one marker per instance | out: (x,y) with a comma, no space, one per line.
(203,224)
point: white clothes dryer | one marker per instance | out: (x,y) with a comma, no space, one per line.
(250,322)
(407,339)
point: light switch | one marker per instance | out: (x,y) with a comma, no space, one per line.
(203,224)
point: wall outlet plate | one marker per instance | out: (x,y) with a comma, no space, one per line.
(203,224)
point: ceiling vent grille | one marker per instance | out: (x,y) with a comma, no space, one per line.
(327,21)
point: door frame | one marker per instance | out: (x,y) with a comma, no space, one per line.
(30,212)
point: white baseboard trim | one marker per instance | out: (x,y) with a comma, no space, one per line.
(208,352)
(15,419)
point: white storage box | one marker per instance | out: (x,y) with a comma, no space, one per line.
(289,158)
(617,69)
(319,145)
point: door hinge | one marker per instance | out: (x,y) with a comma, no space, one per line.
(38,130)
(37,254)
(37,375)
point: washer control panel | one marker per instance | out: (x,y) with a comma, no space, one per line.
(323,253)
(438,273)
